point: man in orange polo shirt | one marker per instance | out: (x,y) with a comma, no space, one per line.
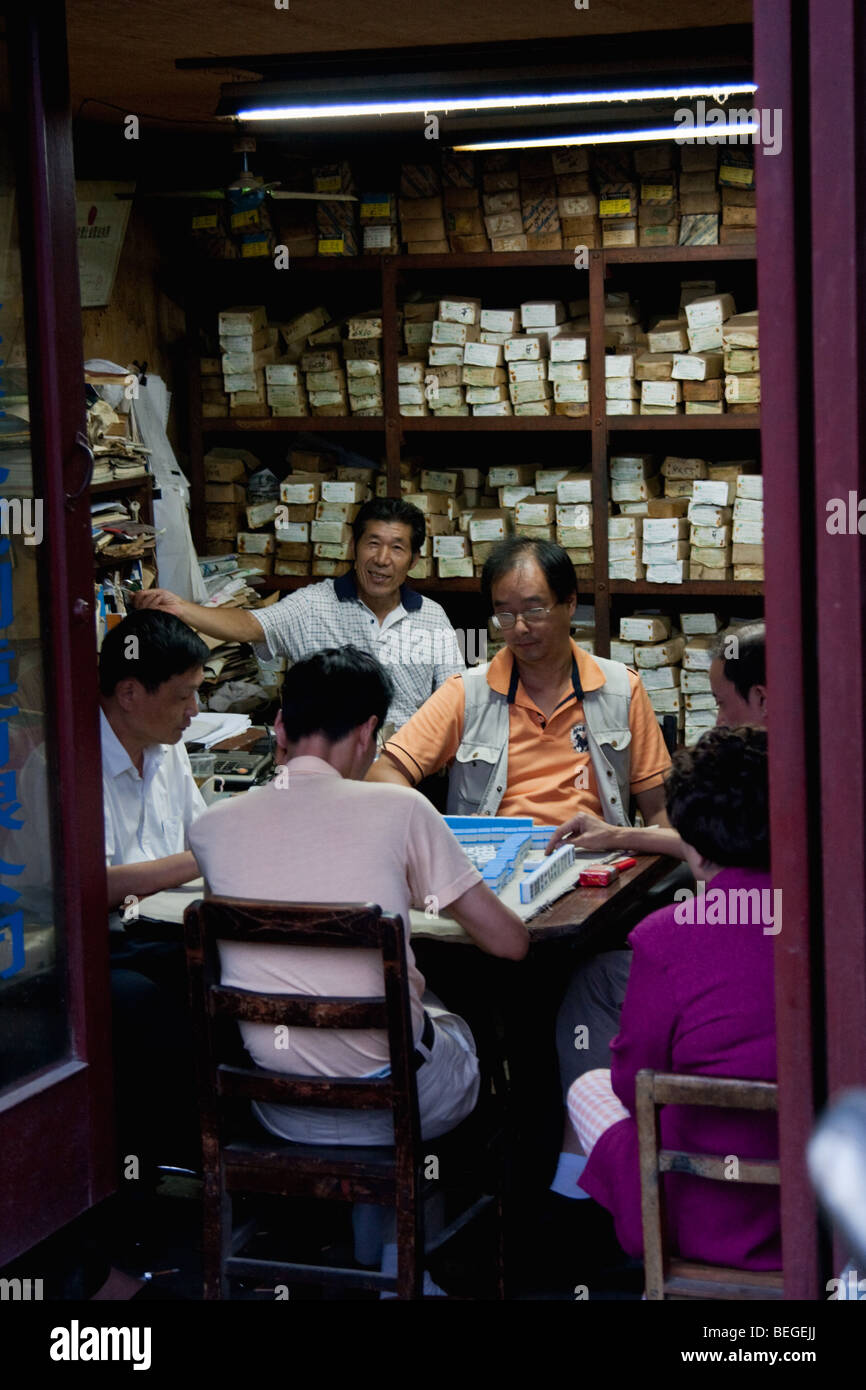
(544,730)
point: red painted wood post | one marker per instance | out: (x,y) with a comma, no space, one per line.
(837,47)
(786,442)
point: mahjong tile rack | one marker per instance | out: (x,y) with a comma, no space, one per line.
(509,853)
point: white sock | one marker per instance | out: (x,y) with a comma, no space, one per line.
(389,1266)
(568,1170)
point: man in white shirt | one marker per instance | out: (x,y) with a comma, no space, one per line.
(150,668)
(319,833)
(371,607)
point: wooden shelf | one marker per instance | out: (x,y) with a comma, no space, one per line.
(481,260)
(288,583)
(682,422)
(691,586)
(494,422)
(383,280)
(673,255)
(634,255)
(314,424)
(121,484)
(323,425)
(101,561)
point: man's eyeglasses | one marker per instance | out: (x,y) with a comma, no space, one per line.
(506,621)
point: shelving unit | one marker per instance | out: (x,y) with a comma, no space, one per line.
(214,285)
(142,488)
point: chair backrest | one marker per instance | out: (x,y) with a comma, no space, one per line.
(654,1089)
(217,1009)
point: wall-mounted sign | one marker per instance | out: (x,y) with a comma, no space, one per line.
(101,215)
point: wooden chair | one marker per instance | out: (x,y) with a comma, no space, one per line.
(668,1277)
(240,1157)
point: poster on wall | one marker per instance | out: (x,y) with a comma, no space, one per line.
(101,215)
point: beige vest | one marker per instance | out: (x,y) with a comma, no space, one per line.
(479,774)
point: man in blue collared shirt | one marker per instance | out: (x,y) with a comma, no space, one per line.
(370,608)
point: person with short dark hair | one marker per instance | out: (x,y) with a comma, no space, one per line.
(372,607)
(738,682)
(150,668)
(544,728)
(593,1000)
(319,833)
(700,1000)
(738,675)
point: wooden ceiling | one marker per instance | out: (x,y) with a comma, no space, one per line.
(125,55)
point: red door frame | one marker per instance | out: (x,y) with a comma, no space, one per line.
(786,442)
(810,62)
(56,1136)
(837,39)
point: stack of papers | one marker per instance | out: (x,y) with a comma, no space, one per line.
(212,728)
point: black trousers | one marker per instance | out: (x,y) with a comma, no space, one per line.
(154,1075)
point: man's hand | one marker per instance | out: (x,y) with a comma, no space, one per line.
(229,624)
(587,831)
(165,600)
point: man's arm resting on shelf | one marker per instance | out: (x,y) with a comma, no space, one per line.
(492,926)
(150,876)
(231,624)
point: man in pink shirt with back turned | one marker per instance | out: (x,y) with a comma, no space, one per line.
(319,833)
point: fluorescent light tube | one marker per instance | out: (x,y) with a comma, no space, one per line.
(447,104)
(686,133)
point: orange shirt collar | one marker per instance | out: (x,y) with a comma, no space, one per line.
(499,671)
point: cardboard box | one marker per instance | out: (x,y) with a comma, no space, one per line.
(743,388)
(242,320)
(667,335)
(575,487)
(696,366)
(660,393)
(489,524)
(640,627)
(659,236)
(509,243)
(741,331)
(699,229)
(221,469)
(224,492)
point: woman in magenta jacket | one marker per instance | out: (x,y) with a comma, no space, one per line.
(699,1000)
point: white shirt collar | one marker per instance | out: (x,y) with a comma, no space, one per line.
(115,758)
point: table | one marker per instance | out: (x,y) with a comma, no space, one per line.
(583,914)
(511,1006)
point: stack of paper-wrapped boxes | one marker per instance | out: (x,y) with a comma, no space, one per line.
(692,531)
(747,550)
(545,200)
(379,231)
(699,703)
(336,217)
(462,359)
(682,364)
(313,522)
(654,648)
(674,665)
(742,363)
